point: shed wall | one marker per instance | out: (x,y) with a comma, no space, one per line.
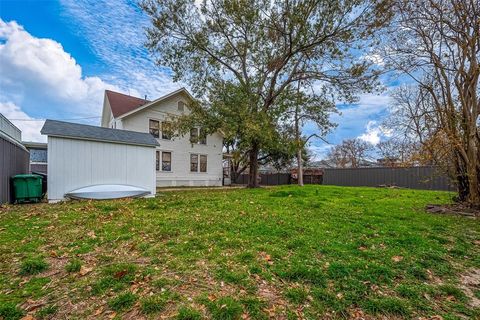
(74,164)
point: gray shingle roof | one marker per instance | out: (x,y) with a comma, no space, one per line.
(85,132)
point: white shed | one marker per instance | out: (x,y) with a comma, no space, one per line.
(83,155)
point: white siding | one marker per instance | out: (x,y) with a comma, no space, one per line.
(180,147)
(74,164)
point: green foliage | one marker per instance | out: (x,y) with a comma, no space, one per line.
(122,302)
(246,71)
(33,266)
(73,265)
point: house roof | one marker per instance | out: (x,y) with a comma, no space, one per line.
(86,132)
(121,103)
(150,103)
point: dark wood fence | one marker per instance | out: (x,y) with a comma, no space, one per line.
(14,159)
(426,178)
(275,179)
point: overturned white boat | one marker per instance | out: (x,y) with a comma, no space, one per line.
(107,191)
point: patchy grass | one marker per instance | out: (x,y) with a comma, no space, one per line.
(311,252)
(74,265)
(122,302)
(33,266)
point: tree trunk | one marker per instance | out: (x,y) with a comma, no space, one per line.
(299,167)
(253,167)
(473,176)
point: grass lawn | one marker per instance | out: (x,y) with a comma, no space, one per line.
(285,252)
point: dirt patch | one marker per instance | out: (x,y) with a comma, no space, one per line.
(470,282)
(456,209)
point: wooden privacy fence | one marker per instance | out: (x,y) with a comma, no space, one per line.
(275,179)
(427,178)
(14,159)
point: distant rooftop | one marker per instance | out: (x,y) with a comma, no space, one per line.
(86,132)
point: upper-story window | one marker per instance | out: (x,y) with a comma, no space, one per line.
(181,106)
(154,128)
(166,130)
(198,136)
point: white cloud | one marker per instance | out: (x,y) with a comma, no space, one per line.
(115,32)
(30,129)
(38,73)
(374,133)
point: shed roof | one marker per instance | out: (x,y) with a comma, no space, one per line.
(86,132)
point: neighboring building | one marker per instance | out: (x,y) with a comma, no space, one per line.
(38,156)
(190,160)
(13,157)
(82,156)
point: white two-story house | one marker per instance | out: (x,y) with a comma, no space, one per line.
(189,160)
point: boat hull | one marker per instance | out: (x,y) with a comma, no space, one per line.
(107,191)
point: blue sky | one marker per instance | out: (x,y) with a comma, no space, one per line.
(76,49)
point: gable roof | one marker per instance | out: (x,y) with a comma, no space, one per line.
(86,132)
(121,103)
(150,103)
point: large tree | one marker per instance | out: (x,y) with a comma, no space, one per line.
(302,107)
(437,44)
(263,47)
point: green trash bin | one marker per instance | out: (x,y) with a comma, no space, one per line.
(27,187)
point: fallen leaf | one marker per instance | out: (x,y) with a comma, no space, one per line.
(362,248)
(98,311)
(28,317)
(397,258)
(120,274)
(84,270)
(92,234)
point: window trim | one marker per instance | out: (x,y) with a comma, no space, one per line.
(159,160)
(159,128)
(199,155)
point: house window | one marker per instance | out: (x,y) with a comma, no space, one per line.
(154,128)
(194,163)
(194,135)
(181,106)
(203,163)
(198,136)
(38,155)
(166,130)
(166,161)
(202,137)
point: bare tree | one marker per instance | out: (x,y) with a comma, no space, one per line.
(350,153)
(437,43)
(396,152)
